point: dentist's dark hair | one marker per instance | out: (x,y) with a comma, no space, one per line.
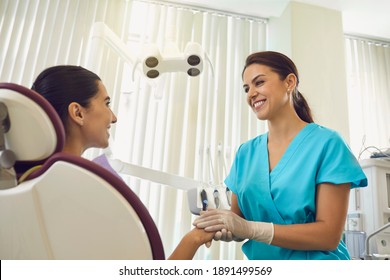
(64,84)
(283,66)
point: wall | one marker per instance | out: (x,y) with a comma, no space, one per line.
(313,38)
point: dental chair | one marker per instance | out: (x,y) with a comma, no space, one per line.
(57,206)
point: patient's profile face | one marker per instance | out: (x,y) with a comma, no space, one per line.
(98,119)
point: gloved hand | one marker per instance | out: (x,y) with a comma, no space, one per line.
(227,236)
(223,235)
(216,220)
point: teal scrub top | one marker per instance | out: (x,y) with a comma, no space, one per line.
(287,195)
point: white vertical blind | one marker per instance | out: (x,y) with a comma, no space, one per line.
(368,69)
(36,34)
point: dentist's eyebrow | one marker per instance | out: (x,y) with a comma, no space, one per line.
(253,80)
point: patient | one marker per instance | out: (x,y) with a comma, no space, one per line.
(82,102)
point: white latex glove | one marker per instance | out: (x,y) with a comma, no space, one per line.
(227,236)
(216,220)
(223,235)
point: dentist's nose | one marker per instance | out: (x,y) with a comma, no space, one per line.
(252,92)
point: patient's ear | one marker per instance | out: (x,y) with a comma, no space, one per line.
(76,113)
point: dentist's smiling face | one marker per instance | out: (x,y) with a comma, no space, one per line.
(266,92)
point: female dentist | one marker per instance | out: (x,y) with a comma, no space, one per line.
(291,184)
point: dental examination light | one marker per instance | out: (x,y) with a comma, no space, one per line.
(154,62)
(191,61)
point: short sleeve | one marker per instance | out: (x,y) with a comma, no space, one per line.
(338,165)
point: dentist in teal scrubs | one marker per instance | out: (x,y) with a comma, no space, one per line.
(291,184)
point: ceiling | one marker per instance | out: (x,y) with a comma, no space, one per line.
(368,18)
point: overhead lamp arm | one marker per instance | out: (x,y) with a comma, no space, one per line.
(100,32)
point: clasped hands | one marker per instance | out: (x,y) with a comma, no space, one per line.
(229,226)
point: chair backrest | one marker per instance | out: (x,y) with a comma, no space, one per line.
(35,131)
(70,208)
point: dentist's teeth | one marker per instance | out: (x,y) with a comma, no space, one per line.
(259,103)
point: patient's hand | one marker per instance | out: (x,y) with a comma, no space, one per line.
(190,244)
(200,236)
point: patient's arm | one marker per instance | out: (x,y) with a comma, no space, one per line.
(190,243)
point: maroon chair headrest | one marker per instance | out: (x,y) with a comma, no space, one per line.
(36,131)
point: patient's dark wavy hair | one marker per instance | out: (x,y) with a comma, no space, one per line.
(64,84)
(284,66)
